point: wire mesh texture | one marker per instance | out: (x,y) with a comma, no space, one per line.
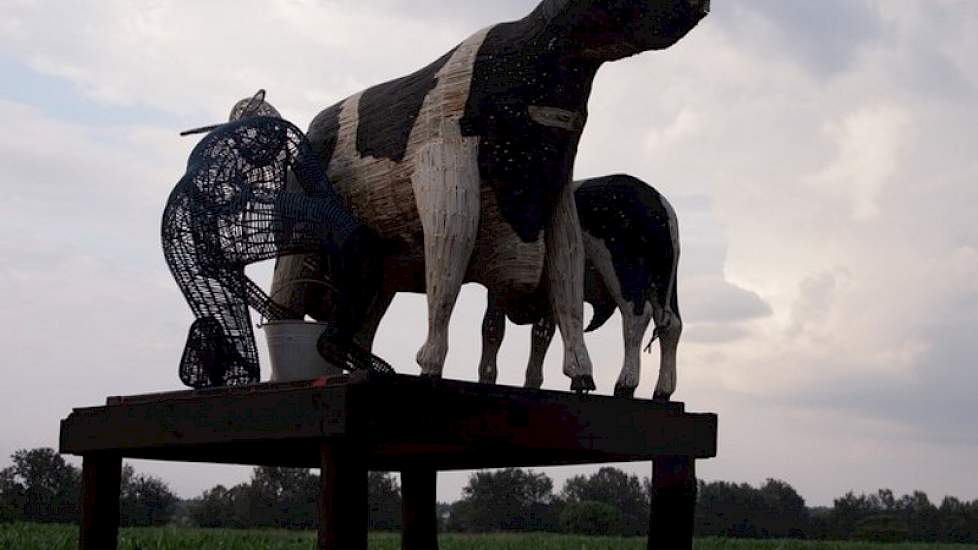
(254,190)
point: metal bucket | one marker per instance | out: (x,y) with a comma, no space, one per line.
(292,350)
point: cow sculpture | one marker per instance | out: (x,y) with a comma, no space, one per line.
(465,166)
(631,242)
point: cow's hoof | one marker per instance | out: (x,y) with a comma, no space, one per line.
(660,397)
(622,390)
(430,376)
(583,383)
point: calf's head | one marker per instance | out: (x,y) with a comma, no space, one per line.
(606,30)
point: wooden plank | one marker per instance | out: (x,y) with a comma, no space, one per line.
(419,510)
(266,416)
(343,499)
(448,414)
(263,387)
(673,505)
(101,474)
(401,420)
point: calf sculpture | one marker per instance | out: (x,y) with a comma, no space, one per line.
(465,165)
(631,243)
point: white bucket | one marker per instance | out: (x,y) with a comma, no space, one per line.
(292,350)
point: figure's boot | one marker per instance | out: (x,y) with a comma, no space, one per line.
(209,356)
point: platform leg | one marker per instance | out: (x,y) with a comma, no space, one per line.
(673,505)
(343,499)
(419,510)
(100,502)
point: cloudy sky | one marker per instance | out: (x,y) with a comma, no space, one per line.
(820,155)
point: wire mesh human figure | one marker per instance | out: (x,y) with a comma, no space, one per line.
(232,208)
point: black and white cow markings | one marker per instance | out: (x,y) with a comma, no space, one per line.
(388,112)
(323,132)
(507,106)
(631,239)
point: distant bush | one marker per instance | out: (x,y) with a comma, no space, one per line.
(881,529)
(288,498)
(42,487)
(589,517)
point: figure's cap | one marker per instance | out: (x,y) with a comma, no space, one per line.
(247,107)
(253,106)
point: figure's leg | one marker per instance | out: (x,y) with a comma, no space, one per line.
(542,334)
(633,328)
(220,346)
(446,188)
(351,260)
(565,269)
(357,276)
(365,337)
(493,331)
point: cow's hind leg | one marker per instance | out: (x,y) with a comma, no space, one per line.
(565,273)
(446,189)
(542,335)
(633,328)
(493,331)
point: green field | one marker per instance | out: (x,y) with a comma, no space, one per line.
(22,536)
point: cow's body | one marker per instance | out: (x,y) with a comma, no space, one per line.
(631,242)
(465,165)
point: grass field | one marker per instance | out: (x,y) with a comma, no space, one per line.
(22,536)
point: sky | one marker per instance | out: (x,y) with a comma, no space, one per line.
(820,157)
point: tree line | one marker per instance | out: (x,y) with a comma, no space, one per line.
(40,486)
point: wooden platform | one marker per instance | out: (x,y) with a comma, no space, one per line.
(351,424)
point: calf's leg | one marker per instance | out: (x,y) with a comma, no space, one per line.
(633,328)
(543,333)
(493,331)
(669,327)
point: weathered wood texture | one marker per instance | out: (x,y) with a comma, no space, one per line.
(348,425)
(401,421)
(419,513)
(673,503)
(343,500)
(101,476)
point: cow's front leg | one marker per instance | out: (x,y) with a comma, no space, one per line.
(565,271)
(446,189)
